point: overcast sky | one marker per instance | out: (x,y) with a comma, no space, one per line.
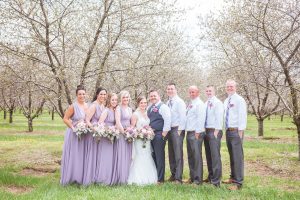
(189,22)
(194,9)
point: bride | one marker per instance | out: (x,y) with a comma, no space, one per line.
(142,169)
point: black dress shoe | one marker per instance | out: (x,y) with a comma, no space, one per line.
(217,185)
(197,183)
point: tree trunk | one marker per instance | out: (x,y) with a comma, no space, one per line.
(30,126)
(260,127)
(297,123)
(298,129)
(52,114)
(281,117)
(269,118)
(4,114)
(11,111)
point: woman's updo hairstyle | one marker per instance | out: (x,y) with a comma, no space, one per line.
(139,99)
(79,87)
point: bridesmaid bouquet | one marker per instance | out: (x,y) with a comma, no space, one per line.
(145,134)
(99,131)
(129,134)
(81,128)
(109,132)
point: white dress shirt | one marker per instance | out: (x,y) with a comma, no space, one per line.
(165,112)
(237,112)
(195,117)
(214,113)
(178,112)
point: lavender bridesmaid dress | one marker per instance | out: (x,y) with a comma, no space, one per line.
(91,147)
(72,162)
(104,161)
(122,151)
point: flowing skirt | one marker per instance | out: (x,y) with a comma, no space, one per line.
(104,163)
(122,160)
(142,170)
(72,162)
(90,160)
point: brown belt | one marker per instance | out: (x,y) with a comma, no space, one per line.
(232,129)
(210,129)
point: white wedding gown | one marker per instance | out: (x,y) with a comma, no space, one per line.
(142,169)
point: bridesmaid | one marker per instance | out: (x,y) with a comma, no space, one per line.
(104,165)
(122,149)
(92,118)
(72,162)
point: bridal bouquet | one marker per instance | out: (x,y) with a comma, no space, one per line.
(81,128)
(129,134)
(109,132)
(145,134)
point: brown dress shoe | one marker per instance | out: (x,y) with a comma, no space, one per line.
(189,181)
(234,187)
(159,183)
(171,179)
(177,182)
(206,181)
(229,181)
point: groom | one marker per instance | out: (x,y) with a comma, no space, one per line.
(160,121)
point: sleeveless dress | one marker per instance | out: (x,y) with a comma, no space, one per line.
(104,161)
(72,162)
(142,170)
(91,147)
(122,150)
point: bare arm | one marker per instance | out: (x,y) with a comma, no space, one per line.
(90,113)
(103,116)
(118,119)
(133,121)
(68,114)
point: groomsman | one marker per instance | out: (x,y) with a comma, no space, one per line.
(213,136)
(235,125)
(176,134)
(195,120)
(160,121)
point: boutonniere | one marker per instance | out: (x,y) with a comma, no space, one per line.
(210,105)
(231,105)
(154,109)
(189,106)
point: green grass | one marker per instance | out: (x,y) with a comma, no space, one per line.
(271,167)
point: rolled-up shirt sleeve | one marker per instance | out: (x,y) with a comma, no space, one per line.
(198,123)
(182,115)
(242,123)
(202,109)
(219,115)
(166,115)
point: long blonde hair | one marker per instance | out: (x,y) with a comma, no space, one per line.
(124,93)
(109,97)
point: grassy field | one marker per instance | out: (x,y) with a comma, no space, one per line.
(29,166)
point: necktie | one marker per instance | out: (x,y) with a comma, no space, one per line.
(170,104)
(188,107)
(206,116)
(227,114)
